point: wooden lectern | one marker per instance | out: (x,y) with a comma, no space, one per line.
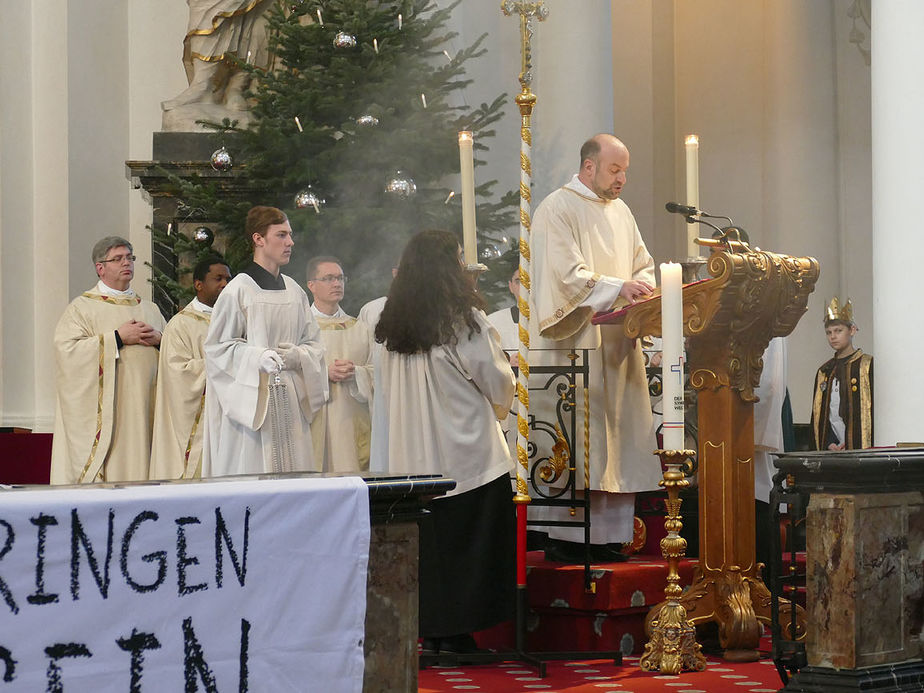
(729,320)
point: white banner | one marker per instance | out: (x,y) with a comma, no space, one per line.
(220,587)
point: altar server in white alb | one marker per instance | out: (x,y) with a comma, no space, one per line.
(262,327)
(588,256)
(179,421)
(442,386)
(341,429)
(106,363)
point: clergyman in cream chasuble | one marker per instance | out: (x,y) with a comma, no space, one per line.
(342,428)
(580,243)
(179,421)
(105,403)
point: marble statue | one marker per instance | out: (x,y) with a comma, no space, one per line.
(217,31)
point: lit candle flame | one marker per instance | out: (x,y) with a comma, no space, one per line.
(448,57)
(375,45)
(691,139)
(452,194)
(399,22)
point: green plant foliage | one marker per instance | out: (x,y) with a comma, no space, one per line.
(346,163)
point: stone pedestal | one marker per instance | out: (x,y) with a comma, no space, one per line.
(864,569)
(395,505)
(391,609)
(863,579)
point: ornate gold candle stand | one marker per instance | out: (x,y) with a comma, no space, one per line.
(673,647)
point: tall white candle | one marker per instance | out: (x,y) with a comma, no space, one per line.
(467,168)
(691,146)
(672,355)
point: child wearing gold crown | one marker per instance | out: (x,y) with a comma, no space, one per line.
(842,408)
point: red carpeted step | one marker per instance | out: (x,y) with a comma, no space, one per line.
(638,582)
(564,617)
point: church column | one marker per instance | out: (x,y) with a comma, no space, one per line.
(898,245)
(51,197)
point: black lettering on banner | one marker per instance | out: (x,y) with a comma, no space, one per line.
(4,589)
(39,596)
(9,671)
(60,651)
(137,643)
(221,533)
(160,557)
(245,647)
(78,538)
(194,664)
(182,560)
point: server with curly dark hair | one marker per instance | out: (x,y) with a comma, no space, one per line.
(442,384)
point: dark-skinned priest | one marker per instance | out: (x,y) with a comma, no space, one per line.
(266,374)
(106,362)
(176,452)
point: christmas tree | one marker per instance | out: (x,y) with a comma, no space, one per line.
(354,136)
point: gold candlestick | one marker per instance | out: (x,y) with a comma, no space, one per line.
(672,647)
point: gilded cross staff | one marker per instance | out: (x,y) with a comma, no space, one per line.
(525,100)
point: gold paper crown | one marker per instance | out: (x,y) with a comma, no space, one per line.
(834,311)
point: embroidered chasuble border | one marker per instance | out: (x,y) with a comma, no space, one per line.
(566,310)
(192,435)
(114,300)
(336,323)
(99,410)
(196,315)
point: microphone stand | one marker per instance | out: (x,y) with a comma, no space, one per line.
(692,267)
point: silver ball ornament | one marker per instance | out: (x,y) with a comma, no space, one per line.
(489,252)
(308,198)
(367,121)
(203,236)
(344,40)
(401,185)
(221,160)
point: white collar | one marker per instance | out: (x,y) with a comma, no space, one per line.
(577,186)
(196,304)
(109,291)
(317,311)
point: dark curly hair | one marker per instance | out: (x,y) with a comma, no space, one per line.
(430,297)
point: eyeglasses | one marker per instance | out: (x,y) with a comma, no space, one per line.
(119,259)
(328,278)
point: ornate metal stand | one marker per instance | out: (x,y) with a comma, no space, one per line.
(673,647)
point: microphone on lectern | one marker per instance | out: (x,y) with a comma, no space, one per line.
(685,210)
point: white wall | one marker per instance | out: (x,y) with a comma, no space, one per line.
(778,95)
(80,86)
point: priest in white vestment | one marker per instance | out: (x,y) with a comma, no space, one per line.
(176,452)
(262,327)
(341,429)
(106,364)
(588,256)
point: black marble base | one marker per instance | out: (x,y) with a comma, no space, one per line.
(907,676)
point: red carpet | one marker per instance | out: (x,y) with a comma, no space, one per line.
(596,676)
